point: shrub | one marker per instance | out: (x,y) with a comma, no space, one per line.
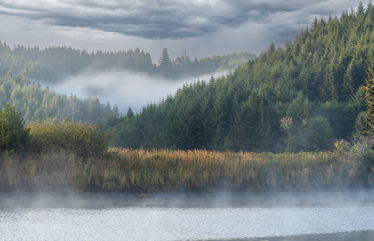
(318,134)
(84,140)
(313,134)
(14,136)
(342,146)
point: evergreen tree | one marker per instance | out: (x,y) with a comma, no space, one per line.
(13,133)
(370,101)
(130,113)
(165,64)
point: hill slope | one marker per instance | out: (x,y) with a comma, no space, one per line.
(38,104)
(300,97)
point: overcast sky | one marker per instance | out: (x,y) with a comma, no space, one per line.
(202,27)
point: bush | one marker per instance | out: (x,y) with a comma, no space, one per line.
(314,134)
(84,140)
(14,136)
(318,134)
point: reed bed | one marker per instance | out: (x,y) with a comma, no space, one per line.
(169,170)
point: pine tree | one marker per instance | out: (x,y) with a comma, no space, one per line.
(370,100)
(165,64)
(361,9)
(13,133)
(130,113)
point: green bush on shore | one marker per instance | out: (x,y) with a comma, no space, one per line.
(84,140)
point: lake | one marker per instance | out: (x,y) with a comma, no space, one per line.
(195,217)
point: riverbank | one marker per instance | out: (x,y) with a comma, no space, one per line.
(141,171)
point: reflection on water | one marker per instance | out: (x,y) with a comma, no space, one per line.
(180,223)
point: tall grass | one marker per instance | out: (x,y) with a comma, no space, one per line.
(164,170)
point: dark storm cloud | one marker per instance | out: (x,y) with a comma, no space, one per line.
(153,19)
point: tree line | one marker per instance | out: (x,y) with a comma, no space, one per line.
(58,63)
(300,97)
(41,104)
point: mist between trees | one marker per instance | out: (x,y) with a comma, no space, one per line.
(300,97)
(55,64)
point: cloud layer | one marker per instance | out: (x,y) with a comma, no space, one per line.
(152,19)
(124,89)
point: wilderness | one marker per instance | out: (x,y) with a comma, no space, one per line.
(298,117)
(183,120)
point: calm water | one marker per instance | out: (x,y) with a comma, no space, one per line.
(181,223)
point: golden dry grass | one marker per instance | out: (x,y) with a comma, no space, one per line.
(167,170)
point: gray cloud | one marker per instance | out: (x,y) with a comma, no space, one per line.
(254,34)
(152,19)
(220,27)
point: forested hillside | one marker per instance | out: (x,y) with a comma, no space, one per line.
(57,63)
(303,96)
(39,104)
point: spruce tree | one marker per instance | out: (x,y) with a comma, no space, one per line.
(370,100)
(14,136)
(165,64)
(130,113)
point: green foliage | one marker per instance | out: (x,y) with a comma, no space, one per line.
(362,123)
(365,120)
(14,136)
(312,135)
(38,104)
(85,140)
(370,102)
(314,83)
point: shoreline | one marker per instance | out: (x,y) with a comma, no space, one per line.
(221,199)
(155,171)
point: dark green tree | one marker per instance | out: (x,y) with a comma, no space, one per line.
(370,101)
(130,113)
(165,64)
(14,136)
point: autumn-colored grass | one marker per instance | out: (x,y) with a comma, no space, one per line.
(169,170)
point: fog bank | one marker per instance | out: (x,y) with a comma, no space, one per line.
(124,89)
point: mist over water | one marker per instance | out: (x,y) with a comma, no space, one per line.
(124,89)
(173,217)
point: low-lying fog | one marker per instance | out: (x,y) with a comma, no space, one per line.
(222,199)
(124,89)
(176,217)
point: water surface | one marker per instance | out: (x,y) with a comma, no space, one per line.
(168,223)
